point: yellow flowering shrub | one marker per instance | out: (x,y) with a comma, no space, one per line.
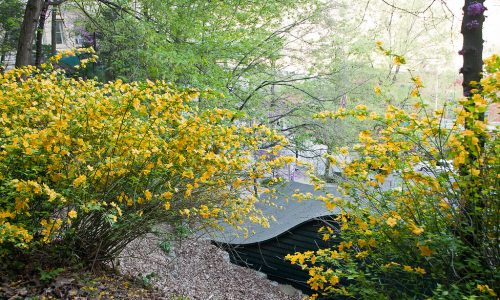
(420,208)
(92,165)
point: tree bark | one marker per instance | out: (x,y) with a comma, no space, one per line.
(53,41)
(472,51)
(39,33)
(27,34)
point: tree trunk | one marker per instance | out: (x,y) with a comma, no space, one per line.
(472,51)
(53,41)
(27,33)
(39,34)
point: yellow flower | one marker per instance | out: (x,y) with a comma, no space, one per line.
(380,178)
(475,172)
(6,214)
(444,205)
(148,195)
(417,230)
(167,195)
(484,288)
(136,103)
(334,280)
(418,81)
(313,259)
(415,93)
(362,254)
(425,250)
(408,268)
(479,101)
(399,60)
(420,271)
(392,222)
(330,205)
(361,117)
(344,151)
(79,180)
(72,214)
(21,204)
(377,90)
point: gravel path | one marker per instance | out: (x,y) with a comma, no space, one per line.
(196,269)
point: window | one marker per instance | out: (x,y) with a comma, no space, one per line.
(59,31)
(79,40)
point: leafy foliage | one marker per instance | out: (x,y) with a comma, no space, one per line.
(237,48)
(191,43)
(86,167)
(435,233)
(10,22)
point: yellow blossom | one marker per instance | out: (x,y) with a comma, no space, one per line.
(484,288)
(399,60)
(415,93)
(167,195)
(392,222)
(334,280)
(420,271)
(408,268)
(79,180)
(72,214)
(418,81)
(425,250)
(148,195)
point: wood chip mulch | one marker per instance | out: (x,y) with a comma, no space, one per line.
(152,268)
(195,269)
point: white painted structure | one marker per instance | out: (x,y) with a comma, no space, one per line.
(67,35)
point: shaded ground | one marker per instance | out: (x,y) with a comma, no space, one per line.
(196,269)
(156,267)
(82,285)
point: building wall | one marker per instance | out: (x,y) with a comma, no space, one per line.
(70,36)
(68,19)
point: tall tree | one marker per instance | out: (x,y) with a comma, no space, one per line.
(472,52)
(234,47)
(28,31)
(33,26)
(40,32)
